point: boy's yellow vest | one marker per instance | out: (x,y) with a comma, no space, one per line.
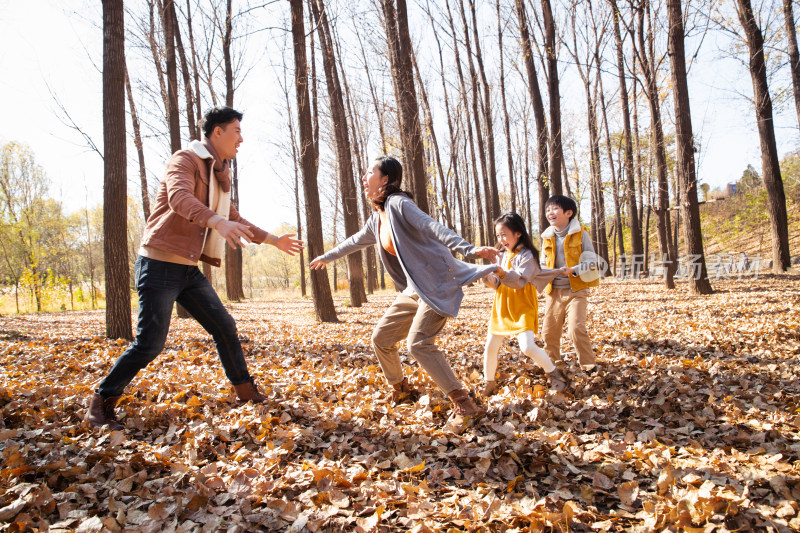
(573,248)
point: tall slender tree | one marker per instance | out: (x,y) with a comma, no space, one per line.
(794,55)
(645,54)
(506,120)
(137,141)
(551,60)
(115,200)
(350,213)
(637,248)
(399,41)
(538,111)
(770,165)
(684,140)
(320,287)
(488,121)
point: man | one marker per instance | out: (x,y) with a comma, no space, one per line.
(191,220)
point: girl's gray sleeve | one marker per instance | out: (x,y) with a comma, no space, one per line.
(521,270)
(529,271)
(357,241)
(425,224)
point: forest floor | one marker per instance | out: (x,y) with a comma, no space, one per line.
(692,424)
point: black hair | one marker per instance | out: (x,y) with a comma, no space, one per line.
(391,168)
(218,116)
(564,202)
(516,224)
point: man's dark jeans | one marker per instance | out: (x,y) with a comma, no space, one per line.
(160,285)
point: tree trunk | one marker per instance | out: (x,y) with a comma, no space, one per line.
(489,122)
(359,142)
(619,246)
(556,146)
(474,167)
(195,70)
(115,202)
(506,120)
(399,41)
(646,56)
(770,165)
(137,140)
(320,288)
(173,114)
(684,141)
(301,255)
(538,112)
(156,52)
(452,138)
(633,213)
(488,233)
(350,212)
(794,55)
(187,80)
(445,205)
(233,256)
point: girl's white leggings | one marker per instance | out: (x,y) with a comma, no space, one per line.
(526,344)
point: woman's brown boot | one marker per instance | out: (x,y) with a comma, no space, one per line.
(557,380)
(101,412)
(463,405)
(404,392)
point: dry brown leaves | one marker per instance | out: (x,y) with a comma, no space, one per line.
(691,425)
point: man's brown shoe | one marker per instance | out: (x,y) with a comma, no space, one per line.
(101,412)
(248,392)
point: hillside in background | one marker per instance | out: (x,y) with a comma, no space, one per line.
(739,223)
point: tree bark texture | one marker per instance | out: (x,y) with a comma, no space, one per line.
(320,287)
(551,60)
(399,41)
(770,165)
(137,140)
(637,247)
(538,112)
(115,201)
(794,55)
(350,214)
(684,141)
(647,61)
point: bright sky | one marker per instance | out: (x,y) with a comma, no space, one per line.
(43,45)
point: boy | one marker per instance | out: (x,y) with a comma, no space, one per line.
(566,244)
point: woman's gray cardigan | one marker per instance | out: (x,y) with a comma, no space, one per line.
(423,261)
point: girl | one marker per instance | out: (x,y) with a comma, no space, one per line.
(416,252)
(517,279)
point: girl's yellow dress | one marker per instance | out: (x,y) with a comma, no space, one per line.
(514,310)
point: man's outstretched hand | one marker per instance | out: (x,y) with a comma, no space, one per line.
(488,253)
(233,232)
(287,243)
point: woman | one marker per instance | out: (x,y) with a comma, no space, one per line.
(416,253)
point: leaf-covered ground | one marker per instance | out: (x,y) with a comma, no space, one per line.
(692,424)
